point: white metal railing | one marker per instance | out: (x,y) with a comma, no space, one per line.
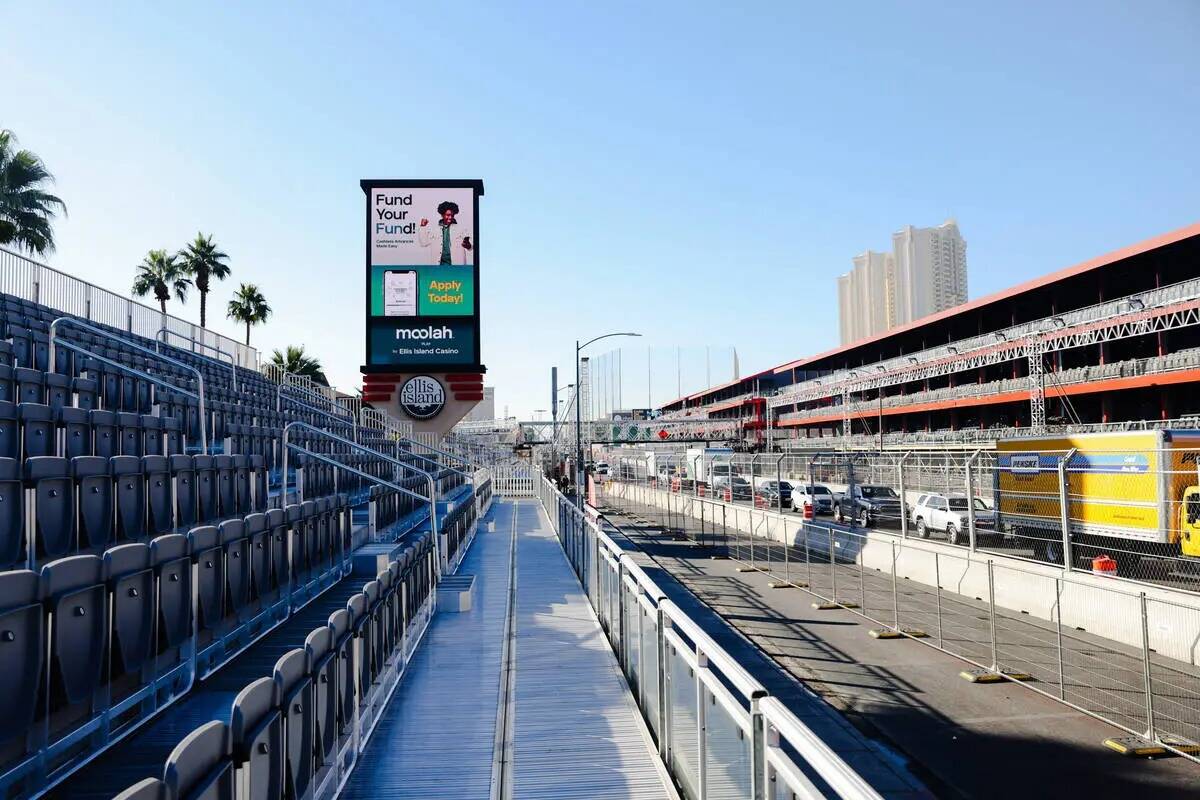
(717,728)
(21,276)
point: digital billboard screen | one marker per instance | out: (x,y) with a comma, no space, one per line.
(422,278)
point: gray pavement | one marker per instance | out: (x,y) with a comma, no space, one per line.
(998,740)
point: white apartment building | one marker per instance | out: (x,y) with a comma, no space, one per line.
(926,272)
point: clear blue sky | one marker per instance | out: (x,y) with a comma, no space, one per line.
(699,172)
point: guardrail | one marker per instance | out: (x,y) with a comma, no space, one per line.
(1127,657)
(31,280)
(718,730)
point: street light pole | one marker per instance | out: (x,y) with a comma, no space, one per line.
(579,473)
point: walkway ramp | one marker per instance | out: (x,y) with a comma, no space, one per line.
(572,730)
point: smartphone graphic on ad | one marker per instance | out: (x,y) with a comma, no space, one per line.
(400,293)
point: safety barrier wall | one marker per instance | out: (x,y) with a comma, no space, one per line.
(717,729)
(1127,657)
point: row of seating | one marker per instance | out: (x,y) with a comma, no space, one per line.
(52,507)
(286,731)
(96,644)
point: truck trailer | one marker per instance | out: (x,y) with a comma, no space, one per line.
(1136,492)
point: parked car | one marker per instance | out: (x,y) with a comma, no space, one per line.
(868,504)
(601,468)
(817,495)
(733,488)
(771,490)
(948,514)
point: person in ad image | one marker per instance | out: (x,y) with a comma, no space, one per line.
(450,243)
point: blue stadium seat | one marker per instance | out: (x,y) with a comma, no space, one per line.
(58,391)
(226,486)
(323,664)
(146,789)
(31,385)
(76,430)
(130,578)
(53,505)
(37,429)
(8,392)
(170,557)
(130,497)
(205,546)
(294,681)
(10,432)
(76,602)
(152,436)
(206,488)
(94,485)
(22,652)
(157,472)
(201,765)
(104,433)
(129,430)
(260,555)
(277,526)
(85,390)
(12,515)
(236,547)
(183,472)
(257,729)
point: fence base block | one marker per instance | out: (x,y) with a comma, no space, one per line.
(787,585)
(750,569)
(1137,746)
(988,676)
(902,633)
(831,606)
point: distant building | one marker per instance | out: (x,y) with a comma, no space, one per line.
(485,408)
(865,296)
(926,272)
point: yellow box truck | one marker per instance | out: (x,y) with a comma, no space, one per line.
(1126,487)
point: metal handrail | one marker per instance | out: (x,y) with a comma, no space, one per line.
(313,409)
(161,336)
(428,476)
(95,329)
(410,440)
(279,398)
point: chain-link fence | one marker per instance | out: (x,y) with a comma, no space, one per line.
(1126,656)
(1125,506)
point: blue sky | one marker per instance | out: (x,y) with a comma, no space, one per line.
(698,172)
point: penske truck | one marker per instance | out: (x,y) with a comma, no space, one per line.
(1135,492)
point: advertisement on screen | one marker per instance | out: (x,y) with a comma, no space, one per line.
(422,275)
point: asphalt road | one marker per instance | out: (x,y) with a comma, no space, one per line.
(974,740)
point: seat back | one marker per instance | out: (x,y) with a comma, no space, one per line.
(183,475)
(77,432)
(22,648)
(237,565)
(104,433)
(170,558)
(260,554)
(323,665)
(54,504)
(205,546)
(10,432)
(157,472)
(37,429)
(201,765)
(257,728)
(342,641)
(206,488)
(277,529)
(130,578)
(292,677)
(130,497)
(75,598)
(226,485)
(241,478)
(12,515)
(146,789)
(94,485)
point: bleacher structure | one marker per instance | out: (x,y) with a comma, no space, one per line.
(182,540)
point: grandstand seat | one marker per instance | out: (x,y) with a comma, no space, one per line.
(77,431)
(130,579)
(206,488)
(280,566)
(7,390)
(41,352)
(205,546)
(258,479)
(94,488)
(201,765)
(226,486)
(85,390)
(130,497)
(241,478)
(152,438)
(6,354)
(129,430)
(53,505)
(37,429)
(31,386)
(169,555)
(372,630)
(292,677)
(237,566)
(342,641)
(76,603)
(323,665)
(157,472)
(12,515)
(172,435)
(299,569)
(22,346)
(260,555)
(22,650)
(104,433)
(183,473)
(146,789)
(257,728)
(58,390)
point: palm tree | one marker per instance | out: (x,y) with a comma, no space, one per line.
(25,209)
(203,261)
(160,274)
(248,306)
(297,362)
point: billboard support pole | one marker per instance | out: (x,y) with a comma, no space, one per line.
(1064,510)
